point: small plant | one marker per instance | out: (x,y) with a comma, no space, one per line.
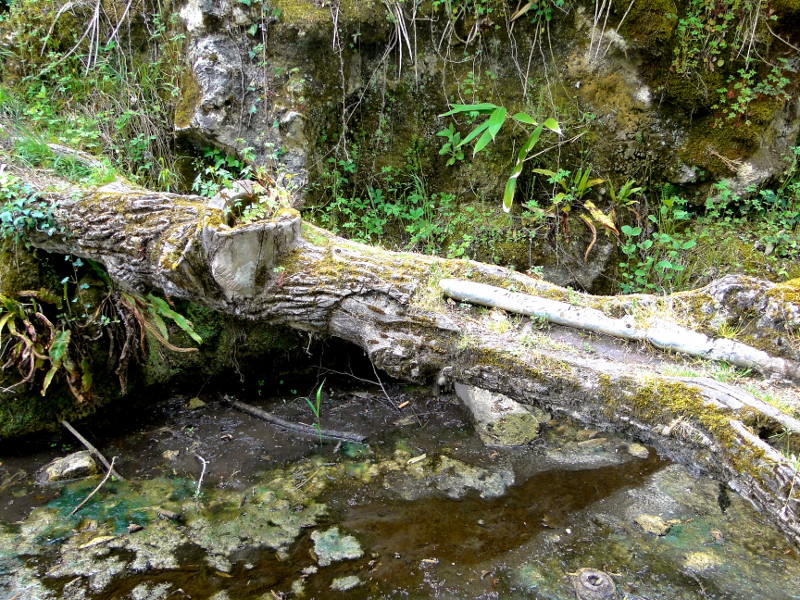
(22,210)
(315,409)
(654,262)
(452,147)
(487,130)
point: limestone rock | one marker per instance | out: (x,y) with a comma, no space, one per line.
(75,466)
(499,420)
(638,451)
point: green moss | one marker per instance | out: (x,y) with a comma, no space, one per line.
(693,92)
(19,269)
(649,25)
(669,403)
(189,100)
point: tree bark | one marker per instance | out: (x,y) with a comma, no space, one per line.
(390,304)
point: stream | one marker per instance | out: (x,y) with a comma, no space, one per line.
(421,510)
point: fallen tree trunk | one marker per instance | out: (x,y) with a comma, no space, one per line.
(390,304)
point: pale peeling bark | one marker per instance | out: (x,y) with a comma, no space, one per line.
(390,305)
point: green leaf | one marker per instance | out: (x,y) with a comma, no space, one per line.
(631,231)
(496,120)
(524,118)
(179,319)
(484,108)
(483,141)
(474,133)
(551,124)
(531,141)
(3,320)
(508,194)
(48,379)
(58,347)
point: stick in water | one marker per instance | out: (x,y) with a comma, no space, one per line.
(202,474)
(94,491)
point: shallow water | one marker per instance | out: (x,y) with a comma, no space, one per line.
(431,511)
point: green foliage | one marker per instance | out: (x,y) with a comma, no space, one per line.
(575,186)
(402,206)
(315,407)
(735,99)
(538,11)
(487,130)
(452,147)
(41,347)
(22,210)
(91,92)
(150,312)
(654,261)
(219,170)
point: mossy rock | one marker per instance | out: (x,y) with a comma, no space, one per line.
(19,268)
(649,26)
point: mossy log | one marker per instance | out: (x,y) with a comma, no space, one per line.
(390,304)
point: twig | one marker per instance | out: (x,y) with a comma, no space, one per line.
(94,491)
(298,427)
(202,474)
(93,450)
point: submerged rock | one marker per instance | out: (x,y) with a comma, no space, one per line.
(451,476)
(75,466)
(331,546)
(342,584)
(638,451)
(653,524)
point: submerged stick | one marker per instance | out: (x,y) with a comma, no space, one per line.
(661,334)
(94,491)
(109,466)
(330,434)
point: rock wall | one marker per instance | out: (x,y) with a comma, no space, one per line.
(311,85)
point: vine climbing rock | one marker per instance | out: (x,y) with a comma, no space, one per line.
(391,305)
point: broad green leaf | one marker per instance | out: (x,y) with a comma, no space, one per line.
(483,141)
(48,379)
(531,141)
(631,231)
(524,118)
(3,320)
(474,133)
(552,125)
(58,347)
(545,172)
(496,120)
(159,323)
(684,246)
(484,108)
(179,319)
(508,194)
